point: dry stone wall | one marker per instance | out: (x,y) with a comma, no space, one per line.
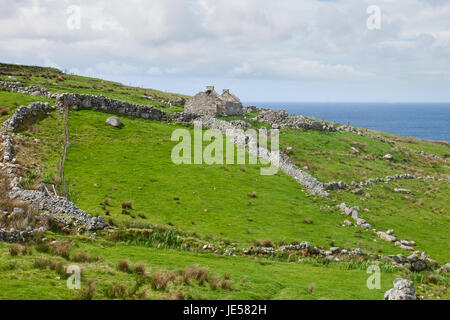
(284,163)
(41,200)
(85,101)
(32,90)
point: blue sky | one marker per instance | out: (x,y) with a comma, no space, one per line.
(262,50)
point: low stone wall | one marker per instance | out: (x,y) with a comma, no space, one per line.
(32,90)
(15,235)
(85,101)
(305,179)
(23,114)
(57,205)
(283,119)
(42,201)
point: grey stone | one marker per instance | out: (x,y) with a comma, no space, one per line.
(114,122)
(403,290)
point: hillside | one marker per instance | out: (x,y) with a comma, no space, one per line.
(212,231)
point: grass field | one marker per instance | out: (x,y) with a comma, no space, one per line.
(230,204)
(267,279)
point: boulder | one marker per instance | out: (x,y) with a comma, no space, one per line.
(114,122)
(404,191)
(386,237)
(418,265)
(403,290)
(388,157)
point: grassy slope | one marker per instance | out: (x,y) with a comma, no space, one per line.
(141,152)
(13,100)
(85,85)
(268,279)
(148,177)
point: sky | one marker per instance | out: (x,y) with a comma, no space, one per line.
(263,50)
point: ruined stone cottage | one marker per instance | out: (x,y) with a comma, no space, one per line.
(211,103)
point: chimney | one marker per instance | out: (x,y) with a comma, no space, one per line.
(209,88)
(226,91)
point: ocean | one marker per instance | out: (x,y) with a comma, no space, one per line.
(429,121)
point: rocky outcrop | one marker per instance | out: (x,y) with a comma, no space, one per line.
(418,261)
(403,290)
(85,101)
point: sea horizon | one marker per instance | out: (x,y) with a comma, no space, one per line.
(423,120)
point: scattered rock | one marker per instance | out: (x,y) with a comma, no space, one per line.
(386,237)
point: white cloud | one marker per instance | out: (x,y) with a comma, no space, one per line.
(268,40)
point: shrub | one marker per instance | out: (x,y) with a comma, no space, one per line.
(267,243)
(117,290)
(202,275)
(226,284)
(4,111)
(142,216)
(213,282)
(157,279)
(125,266)
(87,293)
(139,268)
(27,250)
(311,288)
(227,276)
(15,249)
(41,263)
(61,249)
(189,272)
(127,205)
(81,257)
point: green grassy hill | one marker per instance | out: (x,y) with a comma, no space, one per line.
(178,209)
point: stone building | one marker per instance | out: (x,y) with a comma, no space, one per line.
(211,103)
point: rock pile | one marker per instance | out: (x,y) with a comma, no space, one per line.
(340,185)
(353,212)
(418,261)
